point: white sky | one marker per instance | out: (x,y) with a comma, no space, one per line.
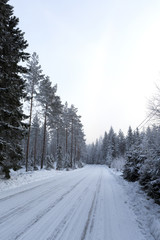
(103,54)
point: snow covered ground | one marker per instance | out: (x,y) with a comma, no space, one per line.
(92,203)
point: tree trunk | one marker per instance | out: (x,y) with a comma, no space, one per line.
(57,137)
(78,154)
(71,143)
(75,151)
(35,148)
(29,130)
(44,138)
(66,141)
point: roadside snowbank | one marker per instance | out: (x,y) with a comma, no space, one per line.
(146,210)
(21,177)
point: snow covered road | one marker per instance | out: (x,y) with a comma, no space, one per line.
(85,204)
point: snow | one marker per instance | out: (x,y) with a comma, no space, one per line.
(21,177)
(146,211)
(92,203)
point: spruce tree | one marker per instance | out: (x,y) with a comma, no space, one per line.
(12,88)
(104,147)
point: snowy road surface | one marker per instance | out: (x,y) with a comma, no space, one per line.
(82,204)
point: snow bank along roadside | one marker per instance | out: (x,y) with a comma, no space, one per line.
(22,178)
(147,212)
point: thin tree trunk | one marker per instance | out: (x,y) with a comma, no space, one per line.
(66,140)
(71,143)
(57,137)
(29,130)
(78,154)
(75,149)
(44,138)
(35,147)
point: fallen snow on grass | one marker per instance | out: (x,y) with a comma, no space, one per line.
(146,210)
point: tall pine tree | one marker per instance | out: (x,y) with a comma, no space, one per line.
(12,88)
(33,76)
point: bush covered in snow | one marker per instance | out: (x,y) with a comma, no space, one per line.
(118,163)
(143,163)
(133,165)
(150,178)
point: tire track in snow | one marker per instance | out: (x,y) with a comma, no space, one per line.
(19,193)
(45,211)
(2,199)
(91,214)
(25,207)
(66,220)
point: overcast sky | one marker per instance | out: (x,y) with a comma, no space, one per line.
(103,54)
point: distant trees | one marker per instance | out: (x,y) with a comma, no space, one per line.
(141,154)
(60,131)
(108,148)
(12,88)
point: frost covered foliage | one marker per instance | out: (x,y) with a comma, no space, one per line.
(67,162)
(49,162)
(143,162)
(133,164)
(118,163)
(150,178)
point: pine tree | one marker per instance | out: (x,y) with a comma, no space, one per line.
(135,157)
(33,76)
(45,98)
(121,144)
(130,139)
(12,88)
(111,151)
(104,147)
(51,106)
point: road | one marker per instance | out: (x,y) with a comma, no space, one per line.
(85,204)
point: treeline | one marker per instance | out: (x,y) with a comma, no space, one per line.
(105,149)
(140,152)
(56,133)
(51,132)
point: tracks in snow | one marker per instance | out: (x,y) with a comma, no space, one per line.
(91,214)
(86,204)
